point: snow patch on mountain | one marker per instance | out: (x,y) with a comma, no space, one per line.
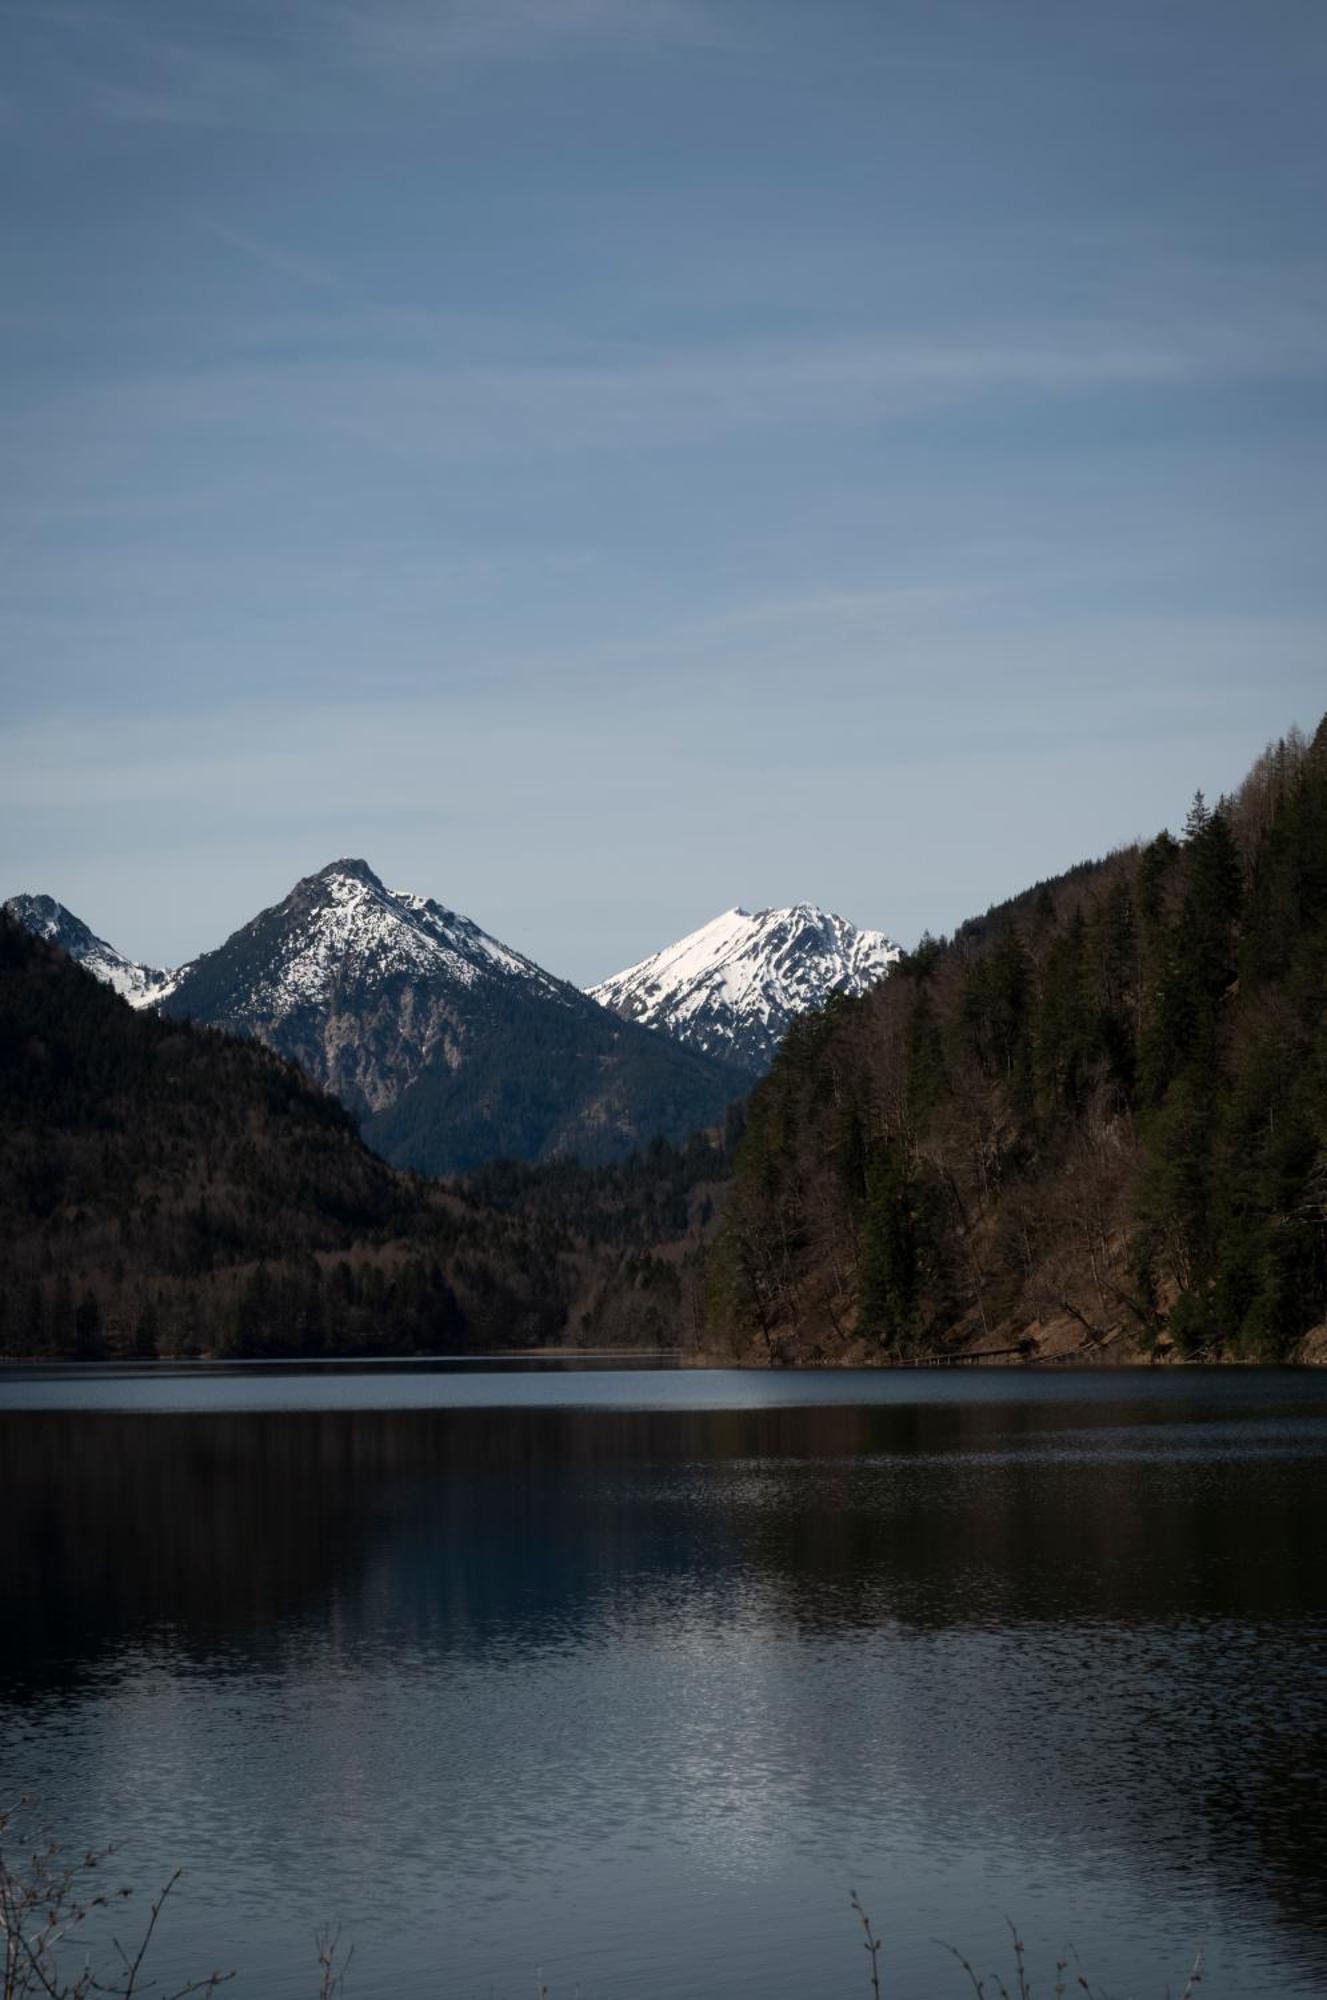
(344,927)
(452,1048)
(341,925)
(140,985)
(733,987)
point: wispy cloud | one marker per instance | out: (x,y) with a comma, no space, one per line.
(458,404)
(271,256)
(123,67)
(308,62)
(862,780)
(414,32)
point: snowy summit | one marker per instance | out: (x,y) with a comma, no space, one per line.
(360,984)
(733,987)
(340,932)
(140,985)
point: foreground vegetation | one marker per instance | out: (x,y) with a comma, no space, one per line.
(1094,1120)
(47,1898)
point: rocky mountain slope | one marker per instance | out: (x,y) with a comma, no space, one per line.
(361,985)
(43,917)
(733,987)
(451,1048)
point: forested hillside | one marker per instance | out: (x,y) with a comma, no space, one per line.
(167,1188)
(1093,1122)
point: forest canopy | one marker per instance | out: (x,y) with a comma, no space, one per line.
(1094,1120)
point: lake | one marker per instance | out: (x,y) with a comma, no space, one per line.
(625,1678)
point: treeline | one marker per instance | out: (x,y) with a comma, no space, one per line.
(662,1194)
(166,1189)
(1092,1122)
(640,1226)
(1095,1119)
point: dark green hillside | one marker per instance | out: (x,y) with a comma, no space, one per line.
(190,1120)
(657,1196)
(543,1082)
(1093,1122)
(641,1224)
(165,1187)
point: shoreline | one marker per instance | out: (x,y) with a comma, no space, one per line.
(653,1358)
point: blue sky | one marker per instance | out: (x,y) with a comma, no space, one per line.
(604,460)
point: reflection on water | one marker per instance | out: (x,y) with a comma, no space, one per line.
(584,1674)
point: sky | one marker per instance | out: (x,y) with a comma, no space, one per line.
(607,460)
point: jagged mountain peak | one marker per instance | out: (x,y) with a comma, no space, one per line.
(338,936)
(44,917)
(354,881)
(732,987)
(450,1046)
(352,866)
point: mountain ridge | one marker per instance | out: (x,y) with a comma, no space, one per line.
(42,916)
(450,1047)
(734,986)
(332,974)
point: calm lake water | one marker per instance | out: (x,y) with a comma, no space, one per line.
(631,1676)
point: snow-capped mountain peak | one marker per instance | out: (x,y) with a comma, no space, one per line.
(361,984)
(733,987)
(451,1048)
(140,985)
(344,926)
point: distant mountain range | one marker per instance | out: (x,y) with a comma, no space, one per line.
(1091,1125)
(733,987)
(452,1049)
